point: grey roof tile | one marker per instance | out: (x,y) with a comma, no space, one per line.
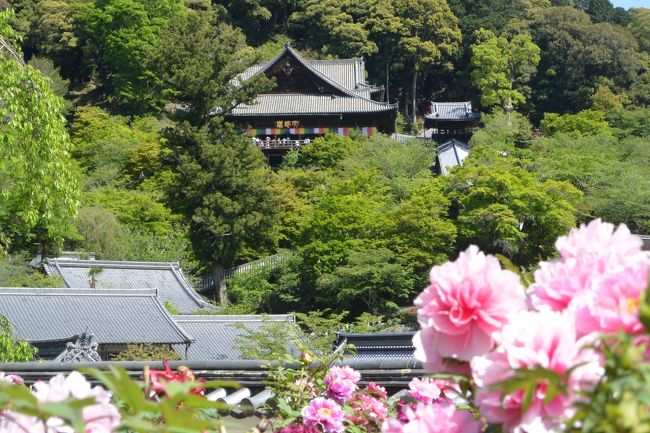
(451,154)
(215,335)
(452,111)
(378,345)
(113,316)
(277,104)
(166,277)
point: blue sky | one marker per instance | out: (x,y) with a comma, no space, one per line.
(631,3)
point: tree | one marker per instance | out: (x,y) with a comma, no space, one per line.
(502,69)
(504,209)
(326,152)
(223,189)
(431,36)
(640,27)
(39,183)
(121,37)
(373,280)
(586,122)
(11,348)
(260,18)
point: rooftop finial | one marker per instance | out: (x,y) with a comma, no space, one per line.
(287,44)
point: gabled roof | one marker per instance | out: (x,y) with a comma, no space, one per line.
(450,154)
(378,345)
(113,316)
(215,335)
(344,89)
(166,277)
(451,111)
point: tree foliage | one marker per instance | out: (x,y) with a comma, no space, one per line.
(38,190)
(502,69)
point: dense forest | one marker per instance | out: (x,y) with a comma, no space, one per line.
(127,153)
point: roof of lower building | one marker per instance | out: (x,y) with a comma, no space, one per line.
(112,316)
(452,111)
(451,154)
(168,278)
(342,89)
(215,336)
(378,345)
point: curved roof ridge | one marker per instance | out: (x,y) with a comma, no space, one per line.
(186,286)
(305,63)
(112,263)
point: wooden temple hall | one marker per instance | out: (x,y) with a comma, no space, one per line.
(312,98)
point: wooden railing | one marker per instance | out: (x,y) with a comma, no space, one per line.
(285,143)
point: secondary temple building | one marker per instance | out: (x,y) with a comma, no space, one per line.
(312,98)
(444,121)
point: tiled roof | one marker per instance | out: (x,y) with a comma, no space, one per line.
(451,111)
(166,277)
(215,335)
(347,76)
(378,346)
(277,104)
(113,316)
(348,73)
(451,154)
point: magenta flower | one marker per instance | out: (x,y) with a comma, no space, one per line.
(535,339)
(297,428)
(376,391)
(341,383)
(440,417)
(468,300)
(324,413)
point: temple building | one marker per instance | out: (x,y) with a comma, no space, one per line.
(444,121)
(312,98)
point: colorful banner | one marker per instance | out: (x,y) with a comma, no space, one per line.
(367,131)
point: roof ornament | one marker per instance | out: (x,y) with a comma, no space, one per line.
(84,349)
(287,68)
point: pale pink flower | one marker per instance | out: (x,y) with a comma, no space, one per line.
(101,417)
(440,417)
(341,383)
(324,413)
(428,390)
(367,412)
(468,300)
(601,274)
(11,378)
(376,391)
(532,340)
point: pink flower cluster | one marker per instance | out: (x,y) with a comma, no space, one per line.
(341,383)
(439,417)
(601,274)
(369,408)
(101,417)
(476,312)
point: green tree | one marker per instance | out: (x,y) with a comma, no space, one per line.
(586,122)
(504,209)
(13,349)
(431,36)
(121,37)
(502,69)
(146,352)
(373,280)
(39,184)
(640,26)
(260,18)
(223,189)
(326,152)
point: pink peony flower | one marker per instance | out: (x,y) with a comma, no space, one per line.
(11,378)
(440,417)
(428,390)
(468,300)
(324,413)
(367,412)
(601,273)
(341,383)
(535,339)
(376,391)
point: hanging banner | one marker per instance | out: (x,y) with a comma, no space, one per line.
(367,131)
